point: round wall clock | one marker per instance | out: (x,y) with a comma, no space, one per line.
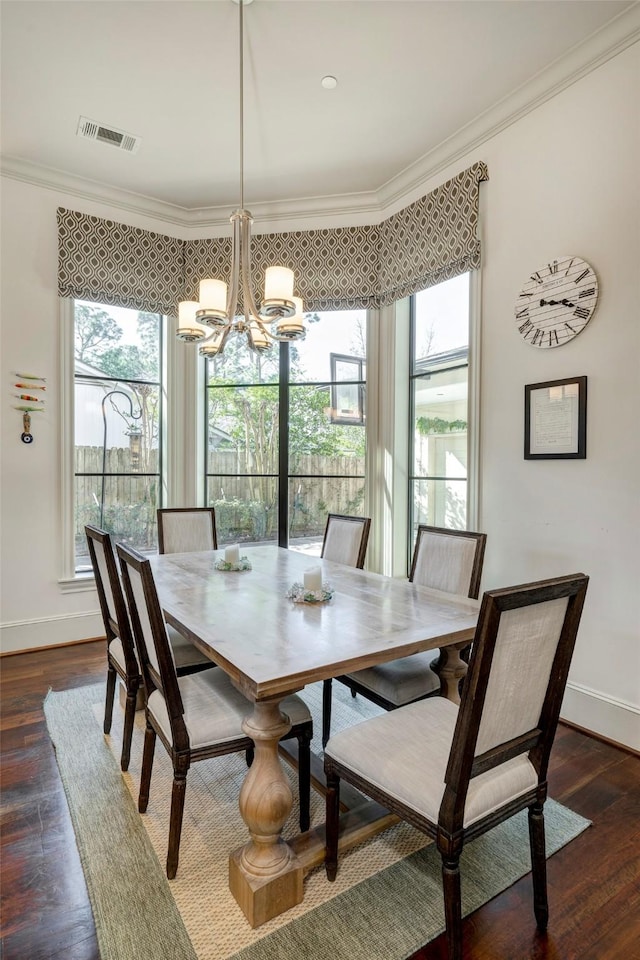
(556,302)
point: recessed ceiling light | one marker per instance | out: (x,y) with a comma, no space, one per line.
(329,83)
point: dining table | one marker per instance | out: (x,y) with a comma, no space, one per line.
(255,624)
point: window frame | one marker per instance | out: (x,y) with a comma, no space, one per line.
(72,580)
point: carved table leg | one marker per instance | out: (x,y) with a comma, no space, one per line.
(265,876)
(451,669)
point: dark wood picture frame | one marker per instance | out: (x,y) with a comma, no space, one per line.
(555,420)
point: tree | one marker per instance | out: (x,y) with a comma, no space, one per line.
(95,330)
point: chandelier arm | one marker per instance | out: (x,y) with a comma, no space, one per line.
(236,246)
(250,308)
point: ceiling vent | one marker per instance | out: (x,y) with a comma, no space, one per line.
(91,130)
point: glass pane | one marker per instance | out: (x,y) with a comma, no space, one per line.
(312,498)
(440,503)
(318,445)
(440,427)
(246,508)
(442,322)
(243,430)
(117,427)
(124,506)
(116,342)
(343,332)
(238,364)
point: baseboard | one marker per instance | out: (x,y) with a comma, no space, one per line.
(608,718)
(21,636)
(57,646)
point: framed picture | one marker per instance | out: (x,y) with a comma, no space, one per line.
(555,420)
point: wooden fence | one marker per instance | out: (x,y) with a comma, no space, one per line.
(246,507)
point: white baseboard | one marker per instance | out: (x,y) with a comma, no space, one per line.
(606,716)
(25,635)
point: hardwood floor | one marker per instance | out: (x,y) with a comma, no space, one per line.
(594,882)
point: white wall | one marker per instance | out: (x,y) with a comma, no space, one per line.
(563,180)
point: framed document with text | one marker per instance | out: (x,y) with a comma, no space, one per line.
(555,420)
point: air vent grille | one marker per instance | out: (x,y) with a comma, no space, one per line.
(91,130)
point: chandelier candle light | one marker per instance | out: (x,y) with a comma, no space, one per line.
(212,319)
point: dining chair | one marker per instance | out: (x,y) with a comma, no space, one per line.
(454,773)
(121,656)
(196,717)
(186,529)
(447,560)
(345,541)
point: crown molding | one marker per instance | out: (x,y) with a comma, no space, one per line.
(581,60)
(360,208)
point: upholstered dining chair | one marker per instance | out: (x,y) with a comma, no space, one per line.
(186,529)
(345,541)
(121,657)
(456,773)
(447,560)
(196,717)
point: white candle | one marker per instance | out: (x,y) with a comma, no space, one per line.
(313,579)
(232,553)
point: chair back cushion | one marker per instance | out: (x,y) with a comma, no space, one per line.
(345,539)
(186,531)
(525,648)
(448,560)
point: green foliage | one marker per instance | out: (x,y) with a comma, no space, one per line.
(427,425)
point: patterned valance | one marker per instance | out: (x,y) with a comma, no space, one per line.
(336,269)
(109,262)
(433,239)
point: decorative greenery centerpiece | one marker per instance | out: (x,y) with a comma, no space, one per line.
(300,594)
(229,567)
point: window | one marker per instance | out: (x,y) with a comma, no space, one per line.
(439,403)
(280,455)
(117,430)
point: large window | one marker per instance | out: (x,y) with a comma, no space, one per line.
(117,424)
(286,434)
(439,405)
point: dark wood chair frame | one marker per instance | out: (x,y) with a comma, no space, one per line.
(181,753)
(474,589)
(449,832)
(119,625)
(116,625)
(162,510)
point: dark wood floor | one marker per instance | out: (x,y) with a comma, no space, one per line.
(594,882)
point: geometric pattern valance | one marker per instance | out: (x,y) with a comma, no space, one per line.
(334,269)
(343,268)
(109,262)
(433,239)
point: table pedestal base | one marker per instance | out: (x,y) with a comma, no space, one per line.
(262,898)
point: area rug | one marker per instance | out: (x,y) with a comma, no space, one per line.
(385,904)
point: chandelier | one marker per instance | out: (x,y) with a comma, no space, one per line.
(212,319)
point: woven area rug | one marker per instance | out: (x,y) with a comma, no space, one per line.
(384,905)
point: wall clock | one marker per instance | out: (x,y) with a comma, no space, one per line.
(556,302)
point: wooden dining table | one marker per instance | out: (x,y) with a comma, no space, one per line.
(271,647)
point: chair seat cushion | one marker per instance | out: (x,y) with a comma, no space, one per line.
(214,709)
(401,681)
(405,754)
(185,653)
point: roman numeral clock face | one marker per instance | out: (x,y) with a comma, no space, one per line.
(556,302)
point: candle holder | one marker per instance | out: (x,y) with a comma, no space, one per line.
(226,567)
(299,594)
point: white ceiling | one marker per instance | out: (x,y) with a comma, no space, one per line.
(414,79)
